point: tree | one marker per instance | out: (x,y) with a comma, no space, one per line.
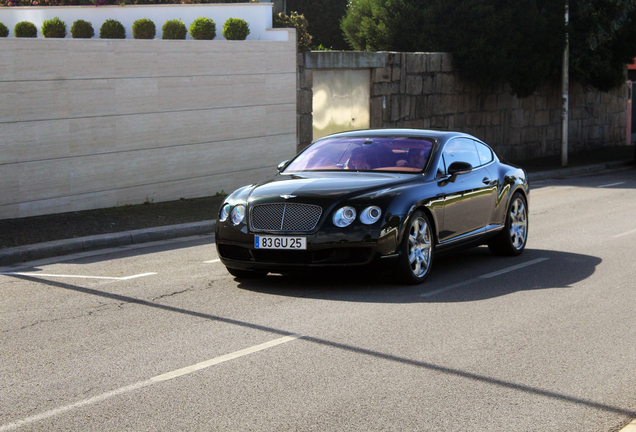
(519,42)
(299,22)
(324,20)
(602,41)
(368,25)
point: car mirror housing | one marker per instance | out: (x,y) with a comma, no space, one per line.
(281,166)
(457,168)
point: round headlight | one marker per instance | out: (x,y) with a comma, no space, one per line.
(344,216)
(238,214)
(370,215)
(225,212)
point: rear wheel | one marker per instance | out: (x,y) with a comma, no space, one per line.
(511,241)
(246,274)
(416,250)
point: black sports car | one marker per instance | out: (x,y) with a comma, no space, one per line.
(388,199)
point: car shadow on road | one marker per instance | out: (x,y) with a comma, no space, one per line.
(468,276)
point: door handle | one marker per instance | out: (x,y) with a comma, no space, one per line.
(486,180)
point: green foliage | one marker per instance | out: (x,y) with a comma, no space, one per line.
(203,29)
(323,19)
(370,26)
(112,29)
(54,28)
(4,31)
(25,29)
(602,41)
(298,22)
(174,29)
(82,30)
(236,29)
(519,42)
(144,29)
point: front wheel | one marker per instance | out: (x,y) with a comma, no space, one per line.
(416,250)
(511,241)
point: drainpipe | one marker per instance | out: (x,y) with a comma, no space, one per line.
(565,90)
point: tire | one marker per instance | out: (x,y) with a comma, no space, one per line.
(511,241)
(416,250)
(246,274)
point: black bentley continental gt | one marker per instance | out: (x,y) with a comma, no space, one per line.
(388,199)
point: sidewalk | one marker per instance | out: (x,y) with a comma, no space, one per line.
(538,169)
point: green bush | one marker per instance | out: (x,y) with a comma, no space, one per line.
(82,30)
(174,29)
(4,31)
(54,28)
(25,29)
(144,29)
(236,29)
(203,28)
(299,22)
(112,29)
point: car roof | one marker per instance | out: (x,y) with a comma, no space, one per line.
(423,133)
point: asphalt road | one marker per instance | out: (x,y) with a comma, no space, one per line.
(160,337)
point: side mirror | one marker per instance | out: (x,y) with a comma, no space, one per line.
(281,166)
(457,168)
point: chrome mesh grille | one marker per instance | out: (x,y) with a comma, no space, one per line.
(284,217)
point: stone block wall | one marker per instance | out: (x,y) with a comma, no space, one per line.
(422,90)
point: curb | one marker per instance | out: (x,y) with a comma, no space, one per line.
(33,252)
(577,171)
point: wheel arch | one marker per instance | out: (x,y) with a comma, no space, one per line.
(424,207)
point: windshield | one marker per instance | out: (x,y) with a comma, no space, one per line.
(364,154)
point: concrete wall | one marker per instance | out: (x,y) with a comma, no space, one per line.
(258,16)
(422,90)
(90,124)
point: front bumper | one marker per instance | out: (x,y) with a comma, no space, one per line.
(356,248)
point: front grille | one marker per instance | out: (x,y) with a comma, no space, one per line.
(284,217)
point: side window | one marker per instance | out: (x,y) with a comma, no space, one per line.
(461,150)
(485,153)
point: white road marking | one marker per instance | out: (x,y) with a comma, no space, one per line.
(630,427)
(35,274)
(141,384)
(611,184)
(625,233)
(486,276)
(99,252)
(211,262)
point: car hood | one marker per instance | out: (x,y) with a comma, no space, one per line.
(321,188)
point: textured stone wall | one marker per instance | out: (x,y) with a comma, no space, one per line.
(422,90)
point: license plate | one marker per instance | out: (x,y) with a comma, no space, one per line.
(275,242)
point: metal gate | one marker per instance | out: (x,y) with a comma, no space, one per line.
(341,101)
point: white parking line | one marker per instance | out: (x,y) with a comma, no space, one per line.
(486,276)
(630,427)
(211,262)
(141,384)
(35,274)
(612,184)
(625,233)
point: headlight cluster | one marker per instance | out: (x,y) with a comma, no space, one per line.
(346,215)
(237,214)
